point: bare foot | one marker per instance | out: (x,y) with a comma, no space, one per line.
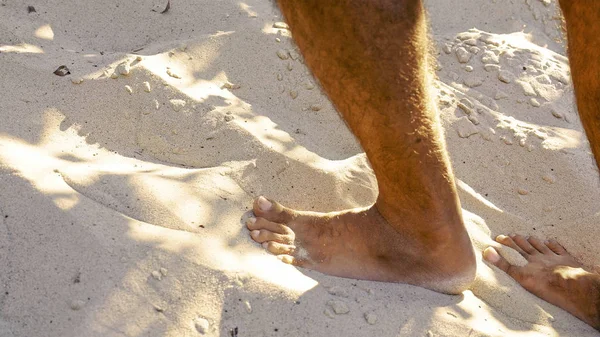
(360,244)
(553,275)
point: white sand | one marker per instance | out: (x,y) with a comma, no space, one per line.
(122,200)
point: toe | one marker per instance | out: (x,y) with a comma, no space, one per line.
(278,248)
(556,247)
(272,211)
(492,256)
(539,245)
(524,244)
(262,223)
(508,241)
(263,235)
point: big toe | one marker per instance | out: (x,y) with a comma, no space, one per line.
(271,210)
(491,255)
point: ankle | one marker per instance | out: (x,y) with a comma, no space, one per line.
(443,233)
(436,212)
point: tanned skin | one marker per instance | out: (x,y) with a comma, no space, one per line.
(583,33)
(371,58)
(551,273)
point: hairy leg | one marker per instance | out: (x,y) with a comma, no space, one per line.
(371,58)
(553,275)
(583,33)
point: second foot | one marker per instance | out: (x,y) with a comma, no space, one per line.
(552,274)
(361,244)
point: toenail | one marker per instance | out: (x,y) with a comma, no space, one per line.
(501,237)
(251,220)
(264,204)
(265,245)
(255,233)
(546,242)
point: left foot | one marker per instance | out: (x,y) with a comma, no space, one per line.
(552,274)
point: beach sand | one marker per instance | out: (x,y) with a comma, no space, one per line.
(124,185)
